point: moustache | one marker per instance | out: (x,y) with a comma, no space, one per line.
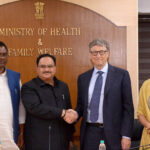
(47,72)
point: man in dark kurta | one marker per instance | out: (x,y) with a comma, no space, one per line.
(46,100)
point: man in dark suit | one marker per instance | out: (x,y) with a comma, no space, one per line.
(46,100)
(106,108)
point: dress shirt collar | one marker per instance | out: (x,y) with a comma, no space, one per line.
(42,83)
(104,69)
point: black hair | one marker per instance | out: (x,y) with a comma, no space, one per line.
(45,55)
(2,44)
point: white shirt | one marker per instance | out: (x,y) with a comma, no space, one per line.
(90,92)
(6,115)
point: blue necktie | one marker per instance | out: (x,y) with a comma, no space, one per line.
(94,104)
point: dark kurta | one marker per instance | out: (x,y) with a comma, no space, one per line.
(44,125)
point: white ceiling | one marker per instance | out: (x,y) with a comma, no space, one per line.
(144,6)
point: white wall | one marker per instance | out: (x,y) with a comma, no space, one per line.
(144,6)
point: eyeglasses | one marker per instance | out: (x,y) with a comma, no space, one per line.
(3,54)
(46,66)
(95,53)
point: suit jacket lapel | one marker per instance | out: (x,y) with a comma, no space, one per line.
(87,82)
(110,79)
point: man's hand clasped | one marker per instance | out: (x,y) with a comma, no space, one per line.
(70,116)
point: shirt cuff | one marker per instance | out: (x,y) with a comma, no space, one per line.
(126,137)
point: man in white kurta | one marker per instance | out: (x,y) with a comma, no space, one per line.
(6,107)
(6,115)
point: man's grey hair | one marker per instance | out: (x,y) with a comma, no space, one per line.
(99,42)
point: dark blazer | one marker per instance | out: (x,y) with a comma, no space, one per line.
(44,125)
(118,111)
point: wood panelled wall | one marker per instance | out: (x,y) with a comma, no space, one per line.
(58,14)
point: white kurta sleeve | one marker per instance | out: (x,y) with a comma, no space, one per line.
(22,113)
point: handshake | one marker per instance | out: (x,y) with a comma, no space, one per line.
(69,115)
